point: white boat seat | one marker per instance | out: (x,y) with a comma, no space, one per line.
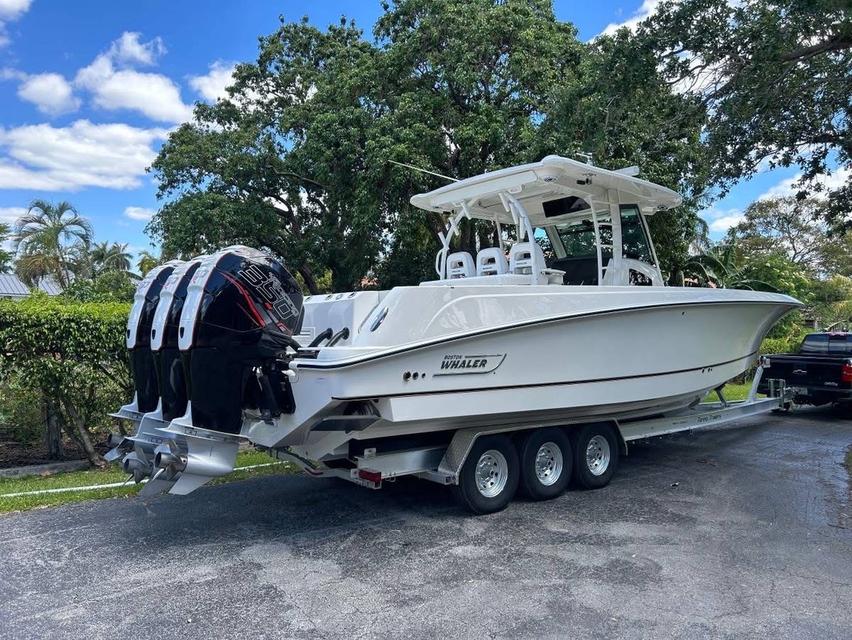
(460,265)
(491,262)
(521,257)
(521,263)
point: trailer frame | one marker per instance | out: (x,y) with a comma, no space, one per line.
(443,464)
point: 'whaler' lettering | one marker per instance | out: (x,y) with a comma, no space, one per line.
(464,364)
(453,364)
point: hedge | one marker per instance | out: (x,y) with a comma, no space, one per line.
(73,355)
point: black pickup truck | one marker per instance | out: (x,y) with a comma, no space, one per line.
(820,373)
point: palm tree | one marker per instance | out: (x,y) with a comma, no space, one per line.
(147,261)
(109,257)
(721,267)
(5,256)
(44,238)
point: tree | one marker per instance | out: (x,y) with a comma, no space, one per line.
(298,158)
(109,257)
(281,164)
(723,266)
(5,256)
(794,227)
(146,262)
(832,302)
(773,77)
(108,286)
(44,238)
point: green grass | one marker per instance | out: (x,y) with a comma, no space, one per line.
(110,475)
(731,392)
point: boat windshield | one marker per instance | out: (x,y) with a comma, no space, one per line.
(634,236)
(572,247)
(576,250)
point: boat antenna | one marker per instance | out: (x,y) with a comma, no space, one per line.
(411,166)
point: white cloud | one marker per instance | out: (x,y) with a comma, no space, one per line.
(212,86)
(10,214)
(788,187)
(720,220)
(83,154)
(724,223)
(139,213)
(11,10)
(8,73)
(151,94)
(646,9)
(129,50)
(50,92)
(154,95)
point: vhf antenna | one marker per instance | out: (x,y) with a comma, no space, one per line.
(411,166)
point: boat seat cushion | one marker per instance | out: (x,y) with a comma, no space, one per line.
(521,257)
(491,262)
(460,265)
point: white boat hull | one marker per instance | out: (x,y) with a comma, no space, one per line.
(620,362)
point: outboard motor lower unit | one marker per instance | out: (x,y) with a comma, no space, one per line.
(241,312)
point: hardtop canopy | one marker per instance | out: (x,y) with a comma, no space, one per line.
(554,190)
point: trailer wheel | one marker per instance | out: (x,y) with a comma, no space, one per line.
(595,455)
(490,475)
(546,462)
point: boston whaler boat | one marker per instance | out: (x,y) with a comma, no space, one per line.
(522,366)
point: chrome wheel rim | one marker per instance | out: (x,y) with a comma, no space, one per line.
(598,455)
(548,463)
(492,473)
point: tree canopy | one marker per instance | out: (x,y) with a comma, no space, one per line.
(298,158)
(774,77)
(47,238)
(793,228)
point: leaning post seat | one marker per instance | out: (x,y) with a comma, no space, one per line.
(460,265)
(491,262)
(521,257)
(240,314)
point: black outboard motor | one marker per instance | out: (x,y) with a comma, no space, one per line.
(168,366)
(139,335)
(241,312)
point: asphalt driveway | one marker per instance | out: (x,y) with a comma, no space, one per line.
(739,532)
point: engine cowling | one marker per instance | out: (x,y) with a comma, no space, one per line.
(145,302)
(168,366)
(241,311)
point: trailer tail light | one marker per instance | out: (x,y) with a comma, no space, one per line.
(370,476)
(846,372)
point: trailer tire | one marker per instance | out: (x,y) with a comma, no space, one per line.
(490,475)
(546,463)
(595,455)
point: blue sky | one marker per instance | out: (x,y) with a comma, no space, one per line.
(89,90)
